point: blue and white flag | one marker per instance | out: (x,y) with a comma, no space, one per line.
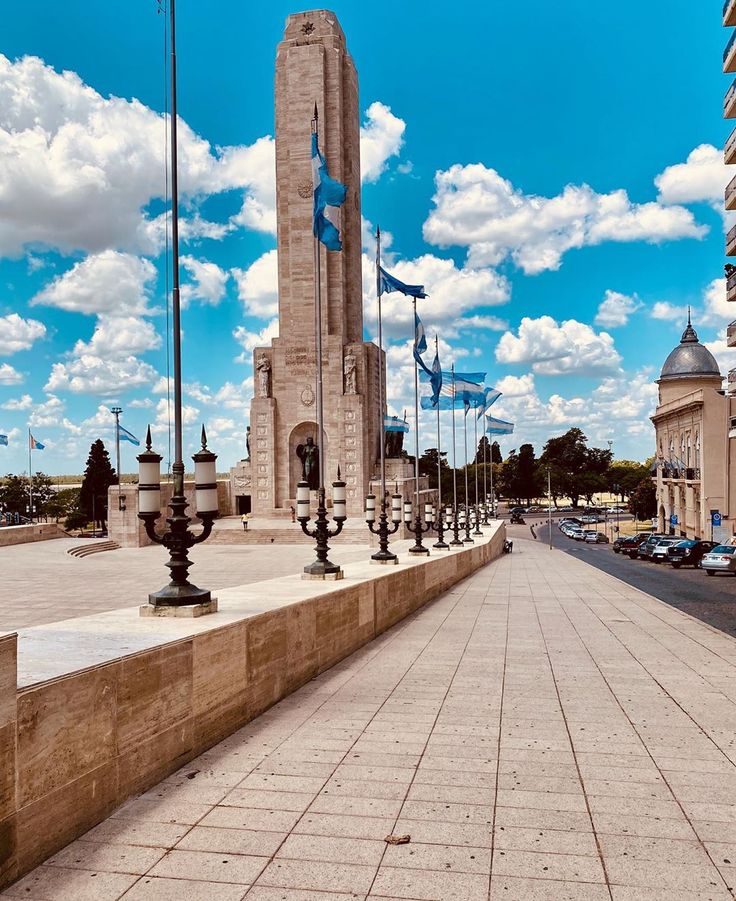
(125,435)
(329,195)
(420,340)
(394,424)
(4,440)
(435,379)
(389,283)
(498,426)
(491,396)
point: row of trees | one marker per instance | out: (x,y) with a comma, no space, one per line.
(78,506)
(576,471)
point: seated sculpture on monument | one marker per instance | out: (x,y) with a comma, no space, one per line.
(309,455)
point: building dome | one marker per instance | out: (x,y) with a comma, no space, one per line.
(690,359)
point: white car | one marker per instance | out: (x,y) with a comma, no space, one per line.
(721,559)
(577,534)
(659,551)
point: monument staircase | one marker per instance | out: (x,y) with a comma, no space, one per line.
(84,550)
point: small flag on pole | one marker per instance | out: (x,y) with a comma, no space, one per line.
(33,444)
(498,426)
(435,378)
(389,283)
(394,424)
(329,195)
(4,440)
(125,435)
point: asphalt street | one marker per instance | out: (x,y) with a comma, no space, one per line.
(710,599)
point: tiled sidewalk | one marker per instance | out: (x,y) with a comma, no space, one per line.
(542,732)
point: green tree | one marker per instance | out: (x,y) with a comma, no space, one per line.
(98,477)
(576,470)
(643,500)
(508,479)
(483,453)
(428,467)
(14,494)
(62,503)
(529,483)
(496,453)
(625,475)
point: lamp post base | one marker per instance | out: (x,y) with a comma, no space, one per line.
(419,551)
(441,546)
(323,569)
(179,595)
(385,561)
(189,611)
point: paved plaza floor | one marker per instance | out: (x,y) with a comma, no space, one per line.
(542,731)
(41,583)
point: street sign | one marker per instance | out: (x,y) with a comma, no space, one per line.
(715,518)
(673,519)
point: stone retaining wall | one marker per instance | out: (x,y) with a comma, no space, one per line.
(10,535)
(74,748)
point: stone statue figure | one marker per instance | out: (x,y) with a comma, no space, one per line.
(309,455)
(247,442)
(264,376)
(351,374)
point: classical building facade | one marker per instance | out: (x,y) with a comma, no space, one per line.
(695,458)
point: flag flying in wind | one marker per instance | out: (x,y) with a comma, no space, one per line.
(389,283)
(394,424)
(491,396)
(33,444)
(435,378)
(498,426)
(329,195)
(4,440)
(125,435)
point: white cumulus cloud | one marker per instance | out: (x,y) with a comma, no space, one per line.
(381,138)
(476,208)
(9,375)
(615,309)
(209,281)
(702,177)
(18,334)
(258,285)
(559,348)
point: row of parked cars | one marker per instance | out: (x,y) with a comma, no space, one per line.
(574,528)
(658,548)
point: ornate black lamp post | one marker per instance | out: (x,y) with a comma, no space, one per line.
(476,517)
(454,525)
(322,568)
(465,526)
(418,528)
(438,524)
(177,539)
(383,530)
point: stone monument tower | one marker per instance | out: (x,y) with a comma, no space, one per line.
(314,66)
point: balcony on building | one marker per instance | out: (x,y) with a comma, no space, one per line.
(731,287)
(730,195)
(729,151)
(732,382)
(729,12)
(731,242)
(729,101)
(675,473)
(731,334)
(729,55)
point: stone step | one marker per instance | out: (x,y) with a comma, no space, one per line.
(84,550)
(283,536)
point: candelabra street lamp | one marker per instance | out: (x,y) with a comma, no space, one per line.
(454,525)
(465,526)
(438,524)
(177,538)
(383,530)
(418,528)
(322,567)
(476,517)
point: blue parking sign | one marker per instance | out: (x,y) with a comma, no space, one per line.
(673,519)
(715,518)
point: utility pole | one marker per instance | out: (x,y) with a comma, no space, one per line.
(549,503)
(116,411)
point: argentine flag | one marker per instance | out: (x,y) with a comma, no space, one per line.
(125,435)
(329,195)
(389,283)
(498,426)
(394,424)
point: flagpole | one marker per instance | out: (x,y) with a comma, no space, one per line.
(467,539)
(417,528)
(439,519)
(485,479)
(30,477)
(381,401)
(456,515)
(475,467)
(493,506)
(116,411)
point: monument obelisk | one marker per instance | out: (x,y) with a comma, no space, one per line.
(313,66)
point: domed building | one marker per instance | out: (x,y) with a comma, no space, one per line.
(692,423)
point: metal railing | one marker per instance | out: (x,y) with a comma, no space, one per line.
(730,332)
(688,473)
(725,7)
(730,238)
(730,144)
(731,283)
(730,190)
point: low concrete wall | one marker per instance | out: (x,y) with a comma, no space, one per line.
(10,535)
(88,740)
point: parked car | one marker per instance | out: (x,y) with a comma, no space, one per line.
(644,551)
(634,542)
(721,558)
(577,534)
(688,552)
(596,538)
(659,551)
(620,542)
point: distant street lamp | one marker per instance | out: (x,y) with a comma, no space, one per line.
(322,568)
(418,528)
(383,530)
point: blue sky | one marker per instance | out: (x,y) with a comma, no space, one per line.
(552,175)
